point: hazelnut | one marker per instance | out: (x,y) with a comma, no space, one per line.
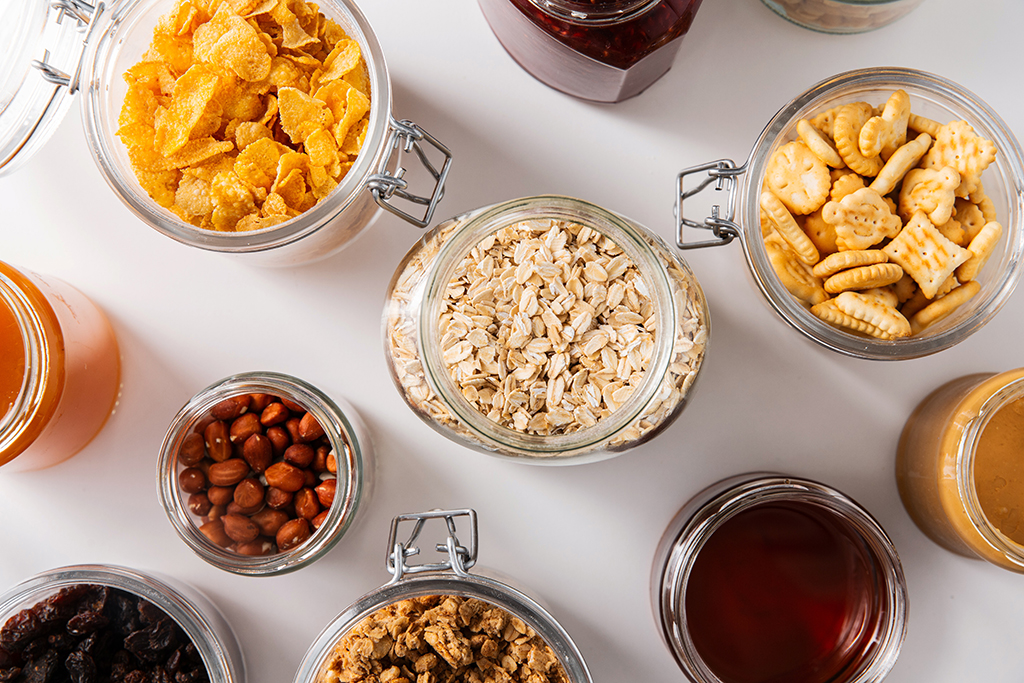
(192,480)
(245,426)
(256,548)
(269,521)
(300,455)
(283,476)
(236,509)
(218,446)
(260,402)
(215,513)
(258,452)
(279,439)
(319,520)
(309,428)
(278,499)
(320,460)
(230,408)
(307,505)
(325,492)
(214,531)
(199,504)
(274,414)
(292,427)
(229,472)
(220,495)
(293,406)
(294,533)
(192,450)
(249,493)
(240,528)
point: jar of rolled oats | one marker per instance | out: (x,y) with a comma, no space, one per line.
(440,620)
(545,329)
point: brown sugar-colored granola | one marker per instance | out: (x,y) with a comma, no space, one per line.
(442,639)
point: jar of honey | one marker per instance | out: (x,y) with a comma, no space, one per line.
(960,467)
(59,370)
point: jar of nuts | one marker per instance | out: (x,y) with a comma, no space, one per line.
(99,620)
(262,473)
(436,621)
(881,213)
(546,329)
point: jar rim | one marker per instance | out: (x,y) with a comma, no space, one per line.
(99,118)
(705,513)
(599,13)
(553,449)
(351,475)
(1009,164)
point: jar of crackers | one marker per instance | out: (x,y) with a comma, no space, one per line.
(842,16)
(881,213)
(958,467)
(266,135)
(547,330)
(440,621)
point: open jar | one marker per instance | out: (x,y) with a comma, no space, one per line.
(958,467)
(602,50)
(768,577)
(262,473)
(482,607)
(211,637)
(60,370)
(71,45)
(932,97)
(545,329)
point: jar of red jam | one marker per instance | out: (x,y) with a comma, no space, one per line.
(601,50)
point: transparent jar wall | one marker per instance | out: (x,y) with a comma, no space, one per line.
(124,36)
(194,612)
(418,371)
(842,16)
(935,98)
(72,375)
(351,445)
(935,466)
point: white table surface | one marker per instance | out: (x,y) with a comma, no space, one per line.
(582,538)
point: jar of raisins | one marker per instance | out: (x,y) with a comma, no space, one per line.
(999,197)
(601,50)
(98,609)
(440,613)
(262,473)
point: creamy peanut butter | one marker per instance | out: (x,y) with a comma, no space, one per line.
(999,470)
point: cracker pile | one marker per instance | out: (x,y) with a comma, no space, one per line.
(244,113)
(877,219)
(442,639)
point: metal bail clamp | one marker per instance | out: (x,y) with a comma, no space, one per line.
(384,185)
(723,173)
(87,16)
(460,558)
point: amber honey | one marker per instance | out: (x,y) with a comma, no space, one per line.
(12,359)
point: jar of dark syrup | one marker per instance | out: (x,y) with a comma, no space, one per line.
(764,577)
(601,50)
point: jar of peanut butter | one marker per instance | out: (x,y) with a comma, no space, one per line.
(960,467)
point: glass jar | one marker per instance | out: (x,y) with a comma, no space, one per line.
(944,483)
(448,576)
(349,443)
(415,302)
(60,372)
(764,570)
(74,46)
(842,16)
(602,50)
(199,618)
(931,96)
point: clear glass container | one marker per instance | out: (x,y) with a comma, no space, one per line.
(100,43)
(448,575)
(931,96)
(842,16)
(870,634)
(936,466)
(414,354)
(197,616)
(350,445)
(60,375)
(602,50)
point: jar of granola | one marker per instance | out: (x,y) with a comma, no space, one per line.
(440,619)
(546,330)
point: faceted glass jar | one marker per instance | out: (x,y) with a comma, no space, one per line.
(842,16)
(604,50)
(60,370)
(936,473)
(350,444)
(869,641)
(935,98)
(199,618)
(415,357)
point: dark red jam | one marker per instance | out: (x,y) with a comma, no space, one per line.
(782,592)
(620,44)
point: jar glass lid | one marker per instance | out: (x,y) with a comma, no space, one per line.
(44,42)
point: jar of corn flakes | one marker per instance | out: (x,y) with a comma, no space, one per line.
(189,194)
(441,618)
(547,330)
(997,197)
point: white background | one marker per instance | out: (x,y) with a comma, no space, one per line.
(582,538)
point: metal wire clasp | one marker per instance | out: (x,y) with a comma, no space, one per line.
(384,185)
(460,557)
(87,16)
(723,173)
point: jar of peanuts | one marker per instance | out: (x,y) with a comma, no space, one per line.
(881,212)
(262,473)
(438,618)
(546,330)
